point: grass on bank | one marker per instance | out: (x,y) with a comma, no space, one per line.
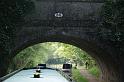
(94,71)
(77,76)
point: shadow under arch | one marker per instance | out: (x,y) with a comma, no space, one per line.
(104,60)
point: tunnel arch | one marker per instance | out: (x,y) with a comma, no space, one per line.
(105,62)
(80,28)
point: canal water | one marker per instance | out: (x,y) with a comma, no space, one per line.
(46,75)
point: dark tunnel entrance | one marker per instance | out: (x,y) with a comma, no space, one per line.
(109,71)
(57,55)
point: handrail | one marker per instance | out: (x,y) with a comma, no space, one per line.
(10,74)
(69,78)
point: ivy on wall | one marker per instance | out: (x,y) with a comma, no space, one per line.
(113,20)
(12,13)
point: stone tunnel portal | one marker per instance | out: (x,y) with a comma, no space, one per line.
(72,22)
(109,71)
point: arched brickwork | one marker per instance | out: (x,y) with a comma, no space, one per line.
(79,26)
(106,60)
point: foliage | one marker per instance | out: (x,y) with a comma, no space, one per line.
(51,53)
(113,20)
(12,13)
(95,71)
(73,54)
(77,76)
(29,57)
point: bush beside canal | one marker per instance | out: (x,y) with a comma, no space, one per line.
(77,76)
